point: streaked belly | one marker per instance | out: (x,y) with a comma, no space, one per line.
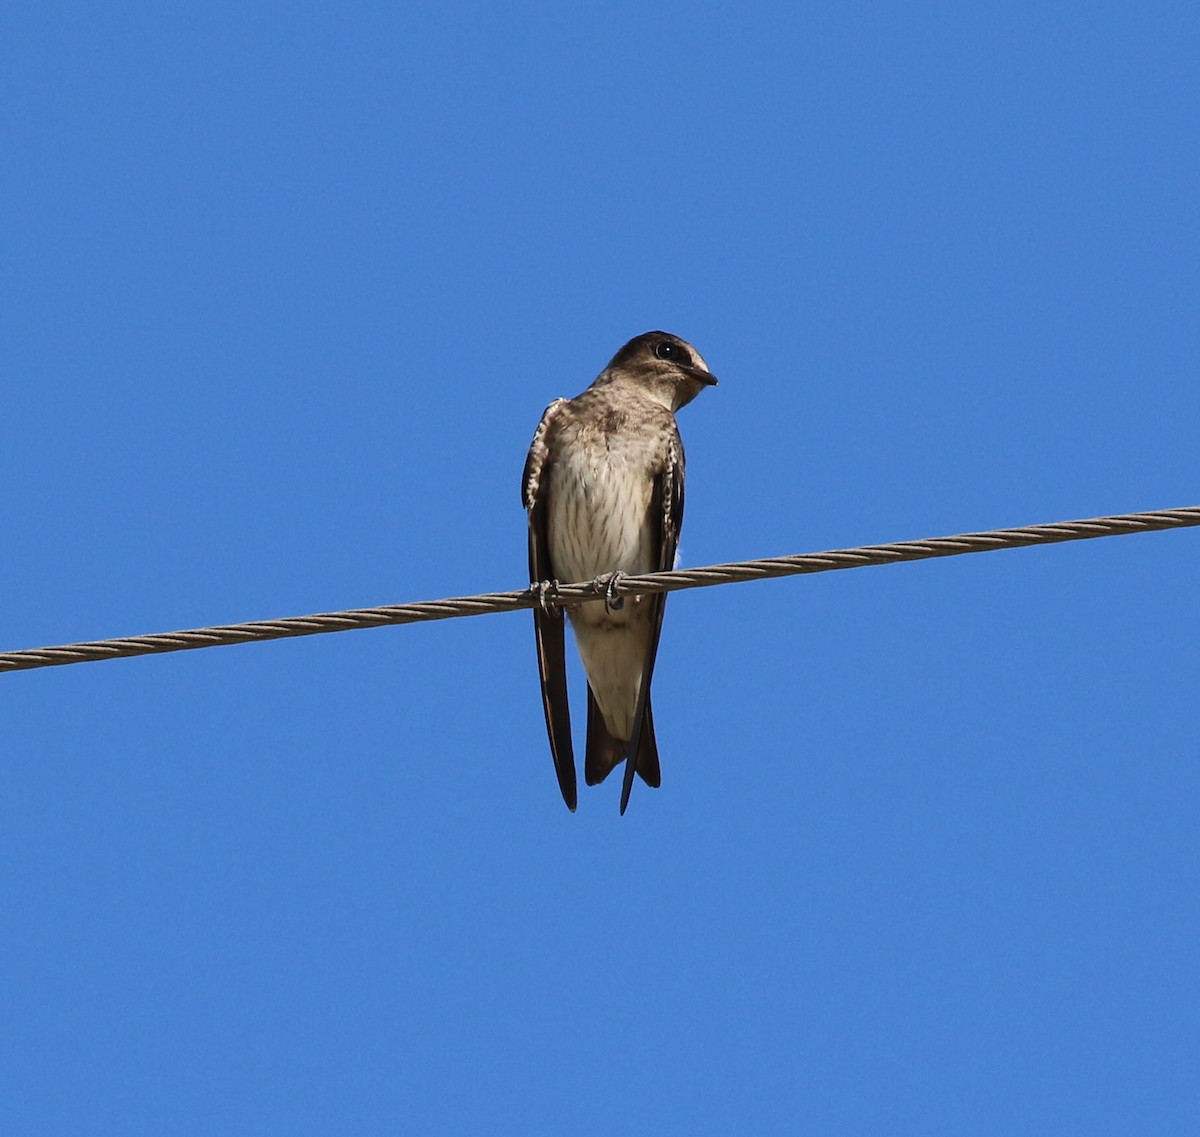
(598,518)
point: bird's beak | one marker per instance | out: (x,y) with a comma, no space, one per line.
(702,376)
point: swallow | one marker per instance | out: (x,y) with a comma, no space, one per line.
(603,487)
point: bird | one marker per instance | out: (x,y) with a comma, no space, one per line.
(603,488)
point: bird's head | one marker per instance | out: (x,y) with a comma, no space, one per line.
(667,368)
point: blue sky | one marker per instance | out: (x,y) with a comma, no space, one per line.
(286,289)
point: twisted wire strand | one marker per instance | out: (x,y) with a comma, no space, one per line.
(732,573)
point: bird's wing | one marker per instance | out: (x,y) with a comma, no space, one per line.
(548,622)
(666,505)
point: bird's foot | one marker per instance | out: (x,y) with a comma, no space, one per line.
(543,589)
(607,584)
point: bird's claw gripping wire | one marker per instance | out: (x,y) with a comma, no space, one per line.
(607,585)
(542,589)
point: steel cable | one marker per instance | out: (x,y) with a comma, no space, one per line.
(735,572)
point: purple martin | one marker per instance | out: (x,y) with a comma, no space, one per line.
(603,486)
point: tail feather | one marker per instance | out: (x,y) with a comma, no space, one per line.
(605,752)
(647,758)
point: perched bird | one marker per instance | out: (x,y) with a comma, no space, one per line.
(603,486)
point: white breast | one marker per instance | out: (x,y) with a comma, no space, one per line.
(598,512)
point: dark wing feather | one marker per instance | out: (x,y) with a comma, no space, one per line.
(667,508)
(548,625)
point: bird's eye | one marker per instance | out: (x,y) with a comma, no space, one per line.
(665,350)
